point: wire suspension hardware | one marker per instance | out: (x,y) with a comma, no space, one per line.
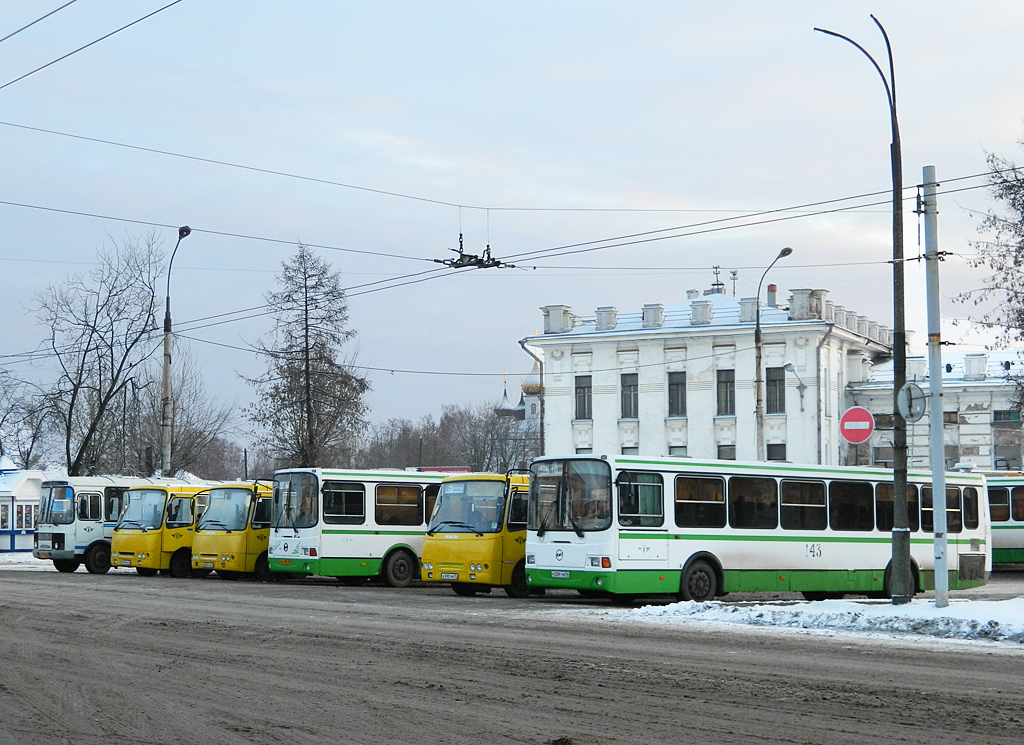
(472,261)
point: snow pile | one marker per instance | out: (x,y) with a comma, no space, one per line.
(23,560)
(980,620)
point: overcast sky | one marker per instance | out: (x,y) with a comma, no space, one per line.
(526,126)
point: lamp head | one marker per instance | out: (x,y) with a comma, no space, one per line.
(788,366)
(785,252)
(184,231)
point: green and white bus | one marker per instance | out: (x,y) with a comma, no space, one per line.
(1006,511)
(349,524)
(624,526)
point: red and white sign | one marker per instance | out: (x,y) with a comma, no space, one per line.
(856,425)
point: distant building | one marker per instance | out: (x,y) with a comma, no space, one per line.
(679,380)
(980,412)
(19,500)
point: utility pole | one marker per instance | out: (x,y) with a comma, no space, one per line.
(935,448)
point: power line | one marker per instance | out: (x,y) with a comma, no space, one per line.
(97,41)
(42,18)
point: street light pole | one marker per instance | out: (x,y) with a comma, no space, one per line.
(758,397)
(167,410)
(901,583)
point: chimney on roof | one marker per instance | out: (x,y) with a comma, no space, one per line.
(607,317)
(772,289)
(653,316)
(975,366)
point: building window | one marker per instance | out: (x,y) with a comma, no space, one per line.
(677,394)
(630,396)
(1007,458)
(776,452)
(584,390)
(1006,415)
(584,451)
(950,417)
(883,456)
(631,451)
(884,421)
(775,390)
(952,455)
(677,450)
(727,452)
(726,393)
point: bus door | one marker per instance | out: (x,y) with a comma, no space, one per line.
(514,536)
(180,522)
(258,537)
(88,514)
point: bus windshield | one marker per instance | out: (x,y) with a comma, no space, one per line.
(571,495)
(145,509)
(227,509)
(56,505)
(295,500)
(469,507)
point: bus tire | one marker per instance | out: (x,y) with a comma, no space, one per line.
(519,587)
(699,582)
(399,568)
(66,566)
(146,571)
(181,564)
(97,559)
(465,589)
(915,576)
(262,568)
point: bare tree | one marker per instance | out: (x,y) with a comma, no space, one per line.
(22,422)
(472,436)
(311,400)
(101,334)
(198,418)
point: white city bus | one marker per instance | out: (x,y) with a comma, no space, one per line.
(351,524)
(76,520)
(1006,512)
(626,526)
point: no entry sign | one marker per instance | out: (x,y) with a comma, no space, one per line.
(856,425)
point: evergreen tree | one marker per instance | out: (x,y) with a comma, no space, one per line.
(310,405)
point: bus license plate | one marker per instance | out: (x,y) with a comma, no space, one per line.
(557,574)
(209,565)
(286,562)
(449,575)
(126,562)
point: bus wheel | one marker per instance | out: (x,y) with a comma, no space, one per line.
(699,582)
(518,588)
(65,565)
(181,564)
(399,569)
(97,559)
(146,571)
(465,589)
(262,569)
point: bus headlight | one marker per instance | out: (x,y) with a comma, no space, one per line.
(531,559)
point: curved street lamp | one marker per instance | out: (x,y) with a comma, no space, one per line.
(902,582)
(167,410)
(759,399)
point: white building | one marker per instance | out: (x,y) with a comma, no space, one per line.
(19,500)
(980,412)
(679,380)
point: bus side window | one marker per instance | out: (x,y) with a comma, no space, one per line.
(999,504)
(89,507)
(113,501)
(517,510)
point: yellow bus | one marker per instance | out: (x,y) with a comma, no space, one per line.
(232,534)
(477,534)
(156,527)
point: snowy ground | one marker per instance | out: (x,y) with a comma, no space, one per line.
(985,621)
